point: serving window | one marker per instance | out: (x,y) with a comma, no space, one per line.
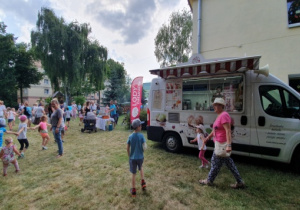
(200,93)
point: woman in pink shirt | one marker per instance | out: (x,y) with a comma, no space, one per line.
(43,131)
(222,133)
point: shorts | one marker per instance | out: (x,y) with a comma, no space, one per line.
(68,119)
(134,164)
(10,120)
(44,135)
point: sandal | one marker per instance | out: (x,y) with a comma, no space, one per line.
(205,182)
(240,185)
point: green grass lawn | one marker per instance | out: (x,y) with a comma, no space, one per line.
(94,174)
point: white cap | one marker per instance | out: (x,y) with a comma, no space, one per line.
(219,101)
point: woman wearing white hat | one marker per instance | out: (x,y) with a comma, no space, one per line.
(222,136)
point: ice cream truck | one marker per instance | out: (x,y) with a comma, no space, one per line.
(265,111)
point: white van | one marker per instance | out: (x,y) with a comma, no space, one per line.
(265,111)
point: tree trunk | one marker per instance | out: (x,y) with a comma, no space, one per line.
(21,94)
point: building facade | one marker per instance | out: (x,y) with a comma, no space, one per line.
(37,92)
(237,28)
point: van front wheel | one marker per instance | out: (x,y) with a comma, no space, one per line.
(296,160)
(172,142)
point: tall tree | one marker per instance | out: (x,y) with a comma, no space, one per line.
(26,73)
(8,90)
(173,41)
(67,55)
(117,88)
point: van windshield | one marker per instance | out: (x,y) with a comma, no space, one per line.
(277,101)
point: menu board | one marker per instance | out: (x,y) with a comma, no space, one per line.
(157,99)
(174,95)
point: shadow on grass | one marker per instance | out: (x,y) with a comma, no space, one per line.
(253,161)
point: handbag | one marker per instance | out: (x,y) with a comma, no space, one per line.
(220,149)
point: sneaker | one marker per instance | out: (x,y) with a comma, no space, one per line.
(143,183)
(207,166)
(133,192)
(17,171)
(238,185)
(202,166)
(59,156)
(4,174)
(21,156)
(45,148)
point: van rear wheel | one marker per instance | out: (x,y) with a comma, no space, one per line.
(172,142)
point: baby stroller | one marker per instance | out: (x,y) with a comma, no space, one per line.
(89,123)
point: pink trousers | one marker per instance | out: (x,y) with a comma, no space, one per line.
(202,158)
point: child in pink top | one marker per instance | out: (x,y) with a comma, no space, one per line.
(43,131)
(7,155)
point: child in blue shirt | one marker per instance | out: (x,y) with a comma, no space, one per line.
(3,130)
(136,144)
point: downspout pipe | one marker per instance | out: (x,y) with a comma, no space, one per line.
(199,26)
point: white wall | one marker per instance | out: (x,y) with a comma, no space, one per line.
(235,28)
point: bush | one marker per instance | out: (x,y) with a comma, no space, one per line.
(48,100)
(143,117)
(79,100)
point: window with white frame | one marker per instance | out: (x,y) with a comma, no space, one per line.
(46,91)
(46,81)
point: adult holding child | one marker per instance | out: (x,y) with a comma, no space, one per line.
(56,125)
(222,138)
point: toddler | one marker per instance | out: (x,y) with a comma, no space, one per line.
(200,139)
(22,131)
(10,114)
(68,116)
(43,131)
(80,117)
(7,155)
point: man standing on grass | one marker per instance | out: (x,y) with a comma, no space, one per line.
(117,114)
(56,126)
(113,111)
(136,144)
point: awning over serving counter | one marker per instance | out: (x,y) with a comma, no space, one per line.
(197,66)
